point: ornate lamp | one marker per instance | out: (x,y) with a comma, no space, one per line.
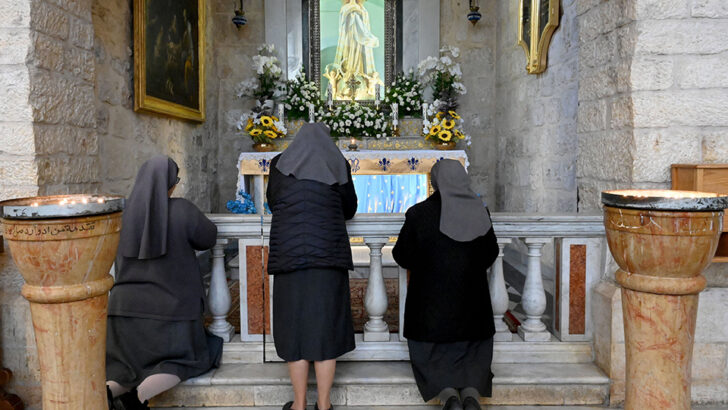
(662,241)
(240,20)
(64,247)
(474,15)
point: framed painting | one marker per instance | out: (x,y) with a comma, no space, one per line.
(352,46)
(169,58)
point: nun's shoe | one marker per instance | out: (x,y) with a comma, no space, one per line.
(453,403)
(289,406)
(316,407)
(130,401)
(110,398)
(470,403)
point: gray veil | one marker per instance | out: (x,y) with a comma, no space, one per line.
(463,216)
(145,218)
(314,156)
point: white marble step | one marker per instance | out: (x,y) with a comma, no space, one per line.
(516,351)
(387,383)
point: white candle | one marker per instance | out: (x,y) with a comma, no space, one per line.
(281,112)
(310,112)
(376,94)
(395,114)
(424,110)
(330,96)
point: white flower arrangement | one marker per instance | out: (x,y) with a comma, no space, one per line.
(299,94)
(267,83)
(356,121)
(445,76)
(406,91)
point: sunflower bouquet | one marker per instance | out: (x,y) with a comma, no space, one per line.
(445,128)
(262,127)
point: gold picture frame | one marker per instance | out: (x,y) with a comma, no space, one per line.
(169,69)
(537,21)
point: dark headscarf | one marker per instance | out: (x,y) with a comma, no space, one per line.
(313,155)
(144,222)
(463,216)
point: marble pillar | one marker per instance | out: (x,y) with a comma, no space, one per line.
(661,255)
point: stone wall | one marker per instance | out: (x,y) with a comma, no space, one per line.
(234,50)
(126,138)
(18,171)
(653,84)
(535,118)
(477,59)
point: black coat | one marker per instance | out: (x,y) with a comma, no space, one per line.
(447,296)
(308,229)
(168,287)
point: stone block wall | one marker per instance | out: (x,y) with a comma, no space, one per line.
(125,138)
(477,60)
(535,118)
(233,53)
(653,84)
(18,170)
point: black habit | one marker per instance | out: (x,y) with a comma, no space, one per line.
(310,253)
(447,297)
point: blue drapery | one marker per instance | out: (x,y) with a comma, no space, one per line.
(389,193)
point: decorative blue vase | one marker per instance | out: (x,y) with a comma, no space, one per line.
(239,20)
(474,15)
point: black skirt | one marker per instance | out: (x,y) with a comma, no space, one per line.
(312,315)
(137,348)
(437,366)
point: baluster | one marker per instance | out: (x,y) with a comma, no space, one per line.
(259,193)
(499,295)
(219,295)
(375,300)
(533,299)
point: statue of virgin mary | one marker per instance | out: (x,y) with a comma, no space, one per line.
(353,74)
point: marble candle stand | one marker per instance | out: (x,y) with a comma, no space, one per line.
(661,244)
(64,250)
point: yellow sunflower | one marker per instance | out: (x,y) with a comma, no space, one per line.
(444,135)
(249,125)
(448,124)
(459,135)
(274,118)
(266,120)
(435,130)
(270,134)
(454,114)
(440,115)
(256,132)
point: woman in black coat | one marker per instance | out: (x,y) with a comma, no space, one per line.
(155,334)
(447,243)
(311,195)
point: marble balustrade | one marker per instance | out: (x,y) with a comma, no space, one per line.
(577,243)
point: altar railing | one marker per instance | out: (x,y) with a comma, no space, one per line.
(579,253)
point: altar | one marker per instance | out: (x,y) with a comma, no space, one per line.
(386,181)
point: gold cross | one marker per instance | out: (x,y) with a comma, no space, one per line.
(353,85)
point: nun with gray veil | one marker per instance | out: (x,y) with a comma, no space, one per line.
(447,243)
(155,335)
(311,195)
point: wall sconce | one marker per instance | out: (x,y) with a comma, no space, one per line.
(239,20)
(474,15)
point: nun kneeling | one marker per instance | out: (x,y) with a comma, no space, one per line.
(155,336)
(311,195)
(447,243)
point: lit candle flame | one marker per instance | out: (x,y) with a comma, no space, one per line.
(84,200)
(34,204)
(100,200)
